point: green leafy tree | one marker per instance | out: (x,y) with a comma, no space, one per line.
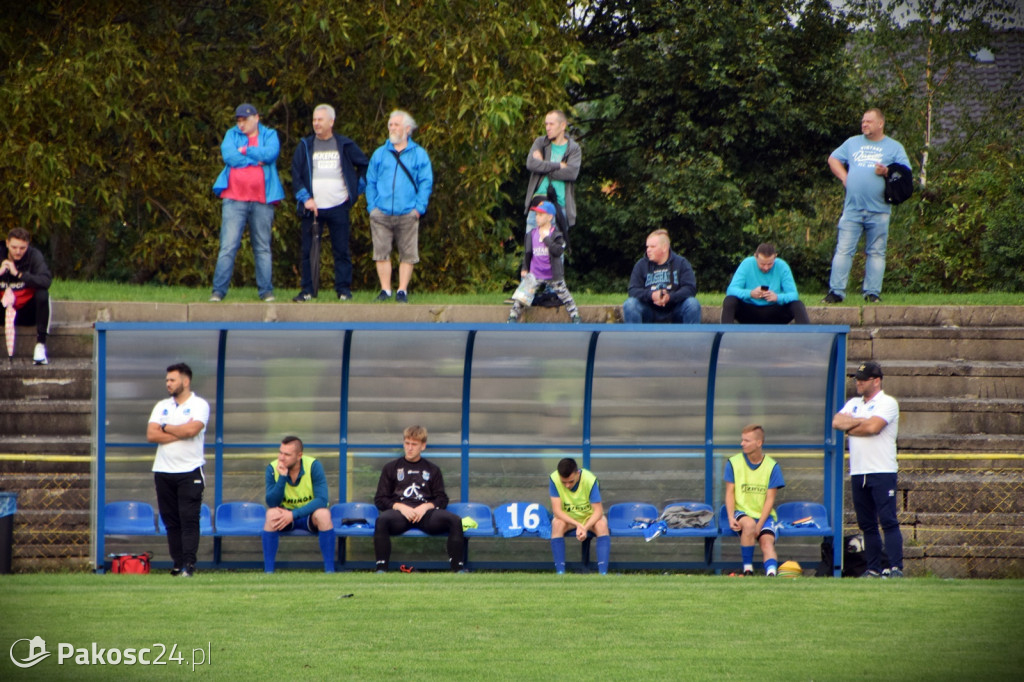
(699,119)
(112,114)
(919,61)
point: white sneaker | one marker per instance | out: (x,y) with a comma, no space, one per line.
(39,354)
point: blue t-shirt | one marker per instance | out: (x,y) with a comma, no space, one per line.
(779,279)
(774,481)
(864,189)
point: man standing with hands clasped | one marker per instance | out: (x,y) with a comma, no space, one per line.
(554,164)
(871,421)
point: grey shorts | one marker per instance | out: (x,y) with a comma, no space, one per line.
(401,230)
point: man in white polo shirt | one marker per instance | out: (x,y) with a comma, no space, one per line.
(178,427)
(871,420)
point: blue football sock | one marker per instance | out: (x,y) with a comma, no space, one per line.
(747,553)
(270,540)
(604,550)
(326,538)
(771,566)
(558,553)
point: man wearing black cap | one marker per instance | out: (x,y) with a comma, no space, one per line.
(871,420)
(250,188)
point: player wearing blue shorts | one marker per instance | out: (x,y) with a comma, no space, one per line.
(576,504)
(752,480)
(296,499)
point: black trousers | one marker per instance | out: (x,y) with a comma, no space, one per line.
(36,312)
(336,219)
(735,310)
(180,497)
(434,522)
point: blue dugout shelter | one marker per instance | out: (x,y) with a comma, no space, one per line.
(654,411)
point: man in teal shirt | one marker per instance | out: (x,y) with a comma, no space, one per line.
(554,161)
(296,495)
(763,292)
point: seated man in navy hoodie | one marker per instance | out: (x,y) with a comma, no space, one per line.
(763,292)
(662,287)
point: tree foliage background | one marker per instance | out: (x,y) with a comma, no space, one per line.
(713,121)
(112,114)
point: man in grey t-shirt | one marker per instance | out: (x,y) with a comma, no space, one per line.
(328,172)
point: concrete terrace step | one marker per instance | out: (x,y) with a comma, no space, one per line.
(66,340)
(923,416)
(938,343)
(64,378)
(52,417)
(950,378)
(87,312)
(956,443)
(45,445)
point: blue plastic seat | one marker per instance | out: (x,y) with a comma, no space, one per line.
(480,513)
(723,523)
(129,517)
(789,512)
(709,532)
(205,522)
(623,515)
(361,516)
(240,518)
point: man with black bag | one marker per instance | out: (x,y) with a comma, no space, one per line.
(398,185)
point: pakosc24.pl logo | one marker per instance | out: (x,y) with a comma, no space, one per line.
(155,654)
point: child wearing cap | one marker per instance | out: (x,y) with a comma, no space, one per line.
(542,264)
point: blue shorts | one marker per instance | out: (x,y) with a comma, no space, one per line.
(301,523)
(768,527)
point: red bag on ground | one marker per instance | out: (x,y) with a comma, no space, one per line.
(130,563)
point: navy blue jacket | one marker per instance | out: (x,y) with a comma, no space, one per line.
(353,169)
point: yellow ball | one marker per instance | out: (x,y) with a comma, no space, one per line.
(790,569)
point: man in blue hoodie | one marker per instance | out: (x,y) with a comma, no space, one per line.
(398,184)
(250,188)
(763,292)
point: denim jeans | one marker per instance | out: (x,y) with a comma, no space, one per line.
(234,216)
(336,220)
(635,311)
(875,227)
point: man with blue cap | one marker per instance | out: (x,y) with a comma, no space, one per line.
(249,189)
(542,264)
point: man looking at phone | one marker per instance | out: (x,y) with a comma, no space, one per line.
(763,292)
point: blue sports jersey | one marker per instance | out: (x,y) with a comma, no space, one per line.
(512,519)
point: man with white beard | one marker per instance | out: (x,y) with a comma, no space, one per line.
(398,185)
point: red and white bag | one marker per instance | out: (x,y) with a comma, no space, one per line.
(130,563)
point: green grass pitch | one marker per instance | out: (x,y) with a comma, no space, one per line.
(303,625)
